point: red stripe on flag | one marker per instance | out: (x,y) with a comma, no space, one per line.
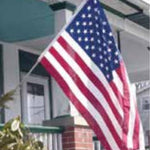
(91,76)
(136,131)
(122,74)
(117,93)
(87,94)
(91,121)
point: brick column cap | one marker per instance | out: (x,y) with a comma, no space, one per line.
(67,121)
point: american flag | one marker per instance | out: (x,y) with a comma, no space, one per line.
(87,64)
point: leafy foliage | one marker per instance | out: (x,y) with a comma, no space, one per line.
(14,136)
(6,97)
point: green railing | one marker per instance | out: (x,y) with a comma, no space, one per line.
(50,136)
(147,148)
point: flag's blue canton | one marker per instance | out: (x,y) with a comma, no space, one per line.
(90,29)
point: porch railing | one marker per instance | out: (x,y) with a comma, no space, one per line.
(50,136)
(97,144)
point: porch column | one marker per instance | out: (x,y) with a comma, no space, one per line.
(77,134)
(11,79)
(77,138)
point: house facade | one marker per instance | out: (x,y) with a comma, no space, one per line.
(143,99)
(41,103)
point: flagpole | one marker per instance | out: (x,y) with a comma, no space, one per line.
(24,78)
(42,54)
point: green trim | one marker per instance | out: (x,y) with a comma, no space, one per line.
(63,5)
(134,14)
(95,138)
(69,6)
(147,147)
(119,40)
(131,5)
(112,10)
(41,129)
(64,116)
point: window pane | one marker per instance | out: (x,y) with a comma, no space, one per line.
(35,103)
(146,103)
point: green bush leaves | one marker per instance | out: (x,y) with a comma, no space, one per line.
(15,136)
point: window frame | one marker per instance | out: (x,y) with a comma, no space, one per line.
(145,98)
(35,79)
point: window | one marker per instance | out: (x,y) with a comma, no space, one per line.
(146,103)
(35,100)
(35,91)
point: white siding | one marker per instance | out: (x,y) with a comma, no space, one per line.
(11,79)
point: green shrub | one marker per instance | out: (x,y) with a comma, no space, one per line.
(14,136)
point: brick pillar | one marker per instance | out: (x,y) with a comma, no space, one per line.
(77,134)
(77,138)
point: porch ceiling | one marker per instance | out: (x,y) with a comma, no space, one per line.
(24,20)
(27,20)
(130,11)
(136,11)
(119,6)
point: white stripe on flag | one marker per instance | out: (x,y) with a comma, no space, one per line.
(94,69)
(89,84)
(118,82)
(141,138)
(89,107)
(132,117)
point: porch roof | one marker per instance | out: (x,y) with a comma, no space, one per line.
(24,20)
